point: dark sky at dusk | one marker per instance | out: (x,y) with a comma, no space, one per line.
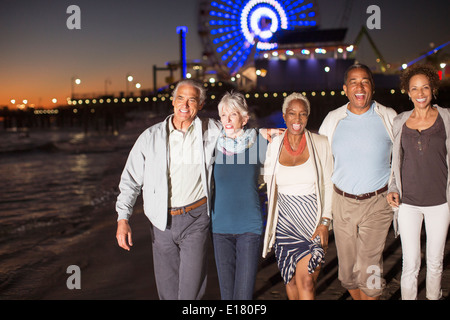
(39,55)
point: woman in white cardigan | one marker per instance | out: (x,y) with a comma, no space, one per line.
(297,171)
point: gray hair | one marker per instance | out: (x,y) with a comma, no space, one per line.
(197,85)
(234,101)
(296,96)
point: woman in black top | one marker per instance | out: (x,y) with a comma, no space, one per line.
(420,180)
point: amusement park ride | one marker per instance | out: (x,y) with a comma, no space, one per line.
(277,45)
(274,44)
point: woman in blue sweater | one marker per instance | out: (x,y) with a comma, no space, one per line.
(237,222)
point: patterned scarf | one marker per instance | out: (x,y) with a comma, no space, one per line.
(230,146)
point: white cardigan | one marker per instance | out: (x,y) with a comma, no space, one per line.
(320,151)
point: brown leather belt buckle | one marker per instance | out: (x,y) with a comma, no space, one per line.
(363,196)
(178,211)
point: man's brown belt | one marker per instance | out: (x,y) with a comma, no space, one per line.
(181,210)
(363,196)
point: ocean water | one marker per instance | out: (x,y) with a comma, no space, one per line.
(53,183)
(55,186)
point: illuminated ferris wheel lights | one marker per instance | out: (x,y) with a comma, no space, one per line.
(226,37)
(225,8)
(251,18)
(299,9)
(223,30)
(255,19)
(236,26)
(304,23)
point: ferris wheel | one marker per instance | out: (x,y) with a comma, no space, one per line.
(233,31)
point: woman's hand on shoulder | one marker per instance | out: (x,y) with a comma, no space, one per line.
(270,133)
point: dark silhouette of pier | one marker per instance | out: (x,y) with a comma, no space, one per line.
(109,113)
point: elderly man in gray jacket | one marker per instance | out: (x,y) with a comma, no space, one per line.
(171,162)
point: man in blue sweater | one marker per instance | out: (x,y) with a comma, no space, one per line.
(360,135)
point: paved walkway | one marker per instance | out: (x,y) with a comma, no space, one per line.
(270,286)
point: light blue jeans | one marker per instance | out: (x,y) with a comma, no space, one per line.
(237,257)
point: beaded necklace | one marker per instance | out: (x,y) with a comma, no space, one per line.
(301,146)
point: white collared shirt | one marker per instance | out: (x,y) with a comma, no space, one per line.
(184,176)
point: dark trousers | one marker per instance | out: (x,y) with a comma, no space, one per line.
(237,257)
(179,256)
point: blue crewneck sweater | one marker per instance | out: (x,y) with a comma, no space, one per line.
(236,205)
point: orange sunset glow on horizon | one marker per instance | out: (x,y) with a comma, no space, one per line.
(42,57)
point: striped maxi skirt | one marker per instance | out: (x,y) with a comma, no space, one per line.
(295,227)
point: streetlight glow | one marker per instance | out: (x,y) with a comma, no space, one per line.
(74,80)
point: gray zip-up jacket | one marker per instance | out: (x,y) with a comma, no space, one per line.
(147,169)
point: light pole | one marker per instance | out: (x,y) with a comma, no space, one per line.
(74,81)
(443,65)
(129,78)
(107,81)
(183,65)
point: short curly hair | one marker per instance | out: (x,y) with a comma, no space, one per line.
(424,69)
(296,96)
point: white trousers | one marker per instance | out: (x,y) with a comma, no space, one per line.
(437,219)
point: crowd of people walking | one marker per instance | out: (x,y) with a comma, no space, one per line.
(365,169)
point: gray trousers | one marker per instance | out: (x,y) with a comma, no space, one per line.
(179,255)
